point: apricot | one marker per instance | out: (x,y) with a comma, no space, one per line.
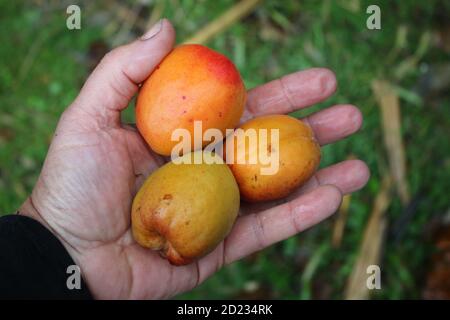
(297,156)
(185,210)
(192,83)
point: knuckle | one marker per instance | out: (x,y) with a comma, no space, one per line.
(258,230)
(294,217)
(113,55)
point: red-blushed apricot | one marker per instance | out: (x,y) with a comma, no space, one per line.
(185,210)
(294,158)
(192,83)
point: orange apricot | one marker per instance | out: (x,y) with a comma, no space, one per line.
(185,210)
(192,83)
(295,156)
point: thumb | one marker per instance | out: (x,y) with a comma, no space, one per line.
(115,80)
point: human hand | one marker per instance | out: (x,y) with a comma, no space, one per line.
(95,165)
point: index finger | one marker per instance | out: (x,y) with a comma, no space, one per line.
(291,92)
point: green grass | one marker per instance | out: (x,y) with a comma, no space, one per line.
(43,65)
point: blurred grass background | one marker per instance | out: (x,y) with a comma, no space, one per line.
(43,65)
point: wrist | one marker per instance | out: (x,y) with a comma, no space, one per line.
(29,210)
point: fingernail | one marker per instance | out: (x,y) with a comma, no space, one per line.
(153,31)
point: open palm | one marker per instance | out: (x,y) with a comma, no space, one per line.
(95,165)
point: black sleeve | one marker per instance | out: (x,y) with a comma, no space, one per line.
(34,264)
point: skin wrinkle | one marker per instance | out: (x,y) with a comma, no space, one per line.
(124,92)
(293,214)
(126,238)
(218,256)
(225,255)
(125,73)
(130,271)
(258,230)
(128,68)
(170,279)
(156,158)
(271,101)
(247,115)
(286,93)
(105,113)
(61,226)
(173,284)
(57,225)
(307,121)
(197,273)
(222,254)
(72,112)
(251,107)
(99,123)
(132,185)
(103,118)
(317,82)
(71,147)
(135,86)
(220,262)
(316,180)
(48,225)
